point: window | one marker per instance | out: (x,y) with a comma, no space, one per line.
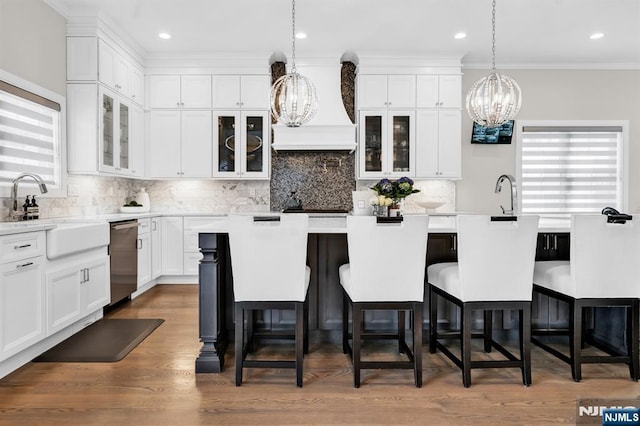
(30,132)
(570,168)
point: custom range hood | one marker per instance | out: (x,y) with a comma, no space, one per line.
(330,129)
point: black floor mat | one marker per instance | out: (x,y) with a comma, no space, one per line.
(106,340)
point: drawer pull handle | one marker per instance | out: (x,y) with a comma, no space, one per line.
(21,246)
(24,265)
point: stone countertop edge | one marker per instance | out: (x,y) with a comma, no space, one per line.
(317,225)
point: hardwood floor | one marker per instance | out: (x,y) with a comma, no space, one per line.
(156,385)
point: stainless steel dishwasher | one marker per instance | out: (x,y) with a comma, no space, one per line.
(123,249)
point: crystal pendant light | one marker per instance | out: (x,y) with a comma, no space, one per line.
(496,98)
(293,96)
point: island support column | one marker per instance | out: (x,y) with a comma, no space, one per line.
(212,315)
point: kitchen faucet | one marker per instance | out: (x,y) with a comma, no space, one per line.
(14,214)
(514,193)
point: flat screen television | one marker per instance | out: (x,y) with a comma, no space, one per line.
(492,135)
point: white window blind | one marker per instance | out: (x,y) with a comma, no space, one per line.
(571,169)
(29,135)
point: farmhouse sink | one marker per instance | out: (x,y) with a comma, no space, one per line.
(69,238)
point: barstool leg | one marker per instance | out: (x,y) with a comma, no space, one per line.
(239,341)
(488,326)
(433,320)
(306,325)
(633,335)
(465,338)
(401,330)
(525,343)
(575,336)
(417,343)
(299,342)
(251,343)
(355,323)
(345,324)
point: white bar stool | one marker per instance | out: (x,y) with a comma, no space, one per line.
(494,271)
(603,270)
(385,271)
(268,260)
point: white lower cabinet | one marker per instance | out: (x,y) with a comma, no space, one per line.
(75,287)
(156,247)
(172,242)
(144,251)
(22,313)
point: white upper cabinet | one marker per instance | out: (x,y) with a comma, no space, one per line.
(438,144)
(241,91)
(180,144)
(118,73)
(180,91)
(82,59)
(439,91)
(386,91)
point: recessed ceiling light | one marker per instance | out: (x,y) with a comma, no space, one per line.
(460,36)
(301,35)
(596,36)
(164,36)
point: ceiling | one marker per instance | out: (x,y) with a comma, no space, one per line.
(529,33)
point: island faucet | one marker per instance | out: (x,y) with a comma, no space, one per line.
(514,193)
(14,214)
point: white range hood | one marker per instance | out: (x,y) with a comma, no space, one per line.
(330,128)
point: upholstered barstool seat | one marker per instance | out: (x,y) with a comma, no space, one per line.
(603,271)
(268,259)
(396,284)
(494,271)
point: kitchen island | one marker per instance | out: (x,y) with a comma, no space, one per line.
(327,250)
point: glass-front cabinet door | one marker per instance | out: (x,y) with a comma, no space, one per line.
(241,148)
(114,133)
(386,144)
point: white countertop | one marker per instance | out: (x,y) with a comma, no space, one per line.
(319,224)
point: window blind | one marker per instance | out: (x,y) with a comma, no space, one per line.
(571,170)
(29,135)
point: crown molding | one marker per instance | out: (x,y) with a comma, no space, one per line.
(538,65)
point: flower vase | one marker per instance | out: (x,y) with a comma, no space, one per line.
(380,211)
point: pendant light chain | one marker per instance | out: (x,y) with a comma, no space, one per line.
(493,35)
(496,98)
(294,101)
(293,36)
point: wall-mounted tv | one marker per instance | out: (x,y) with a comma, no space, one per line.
(492,135)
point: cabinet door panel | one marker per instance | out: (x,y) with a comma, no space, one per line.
(144,259)
(427,143)
(225,158)
(172,245)
(450,143)
(195,91)
(108,124)
(372,91)
(255,91)
(156,247)
(401,91)
(164,91)
(22,311)
(401,152)
(164,143)
(226,91)
(255,144)
(197,136)
(97,293)
(427,91)
(122,76)
(107,65)
(450,91)
(136,85)
(372,131)
(136,141)
(82,59)
(63,297)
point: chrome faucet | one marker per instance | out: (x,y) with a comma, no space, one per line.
(514,193)
(14,213)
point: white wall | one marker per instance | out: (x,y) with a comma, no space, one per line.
(552,95)
(33,43)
